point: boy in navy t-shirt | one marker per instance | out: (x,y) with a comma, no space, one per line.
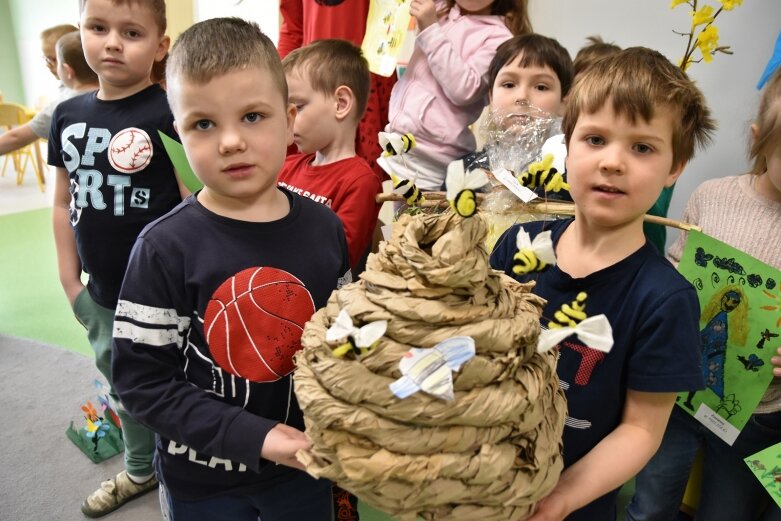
(217,293)
(631,123)
(113,178)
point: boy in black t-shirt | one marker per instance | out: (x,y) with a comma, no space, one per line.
(631,124)
(217,293)
(113,178)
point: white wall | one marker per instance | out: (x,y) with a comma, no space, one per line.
(30,17)
(729,82)
(264,12)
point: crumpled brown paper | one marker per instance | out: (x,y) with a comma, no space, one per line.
(490,454)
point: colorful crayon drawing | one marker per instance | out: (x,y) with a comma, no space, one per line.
(766,466)
(739,298)
(386,29)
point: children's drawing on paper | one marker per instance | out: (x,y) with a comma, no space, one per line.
(740,311)
(725,313)
(386,29)
(766,466)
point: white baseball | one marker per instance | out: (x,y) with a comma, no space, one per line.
(130,150)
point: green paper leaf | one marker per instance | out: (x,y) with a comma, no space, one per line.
(175,152)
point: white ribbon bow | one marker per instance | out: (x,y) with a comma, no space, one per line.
(364,336)
(595,332)
(542,245)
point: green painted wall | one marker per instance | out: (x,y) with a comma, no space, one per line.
(10,73)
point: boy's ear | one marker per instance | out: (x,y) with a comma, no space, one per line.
(290,113)
(675,173)
(345,100)
(563,106)
(162,48)
(69,71)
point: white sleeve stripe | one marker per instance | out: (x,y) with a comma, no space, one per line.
(151,315)
(144,335)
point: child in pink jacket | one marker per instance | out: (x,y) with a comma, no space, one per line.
(445,87)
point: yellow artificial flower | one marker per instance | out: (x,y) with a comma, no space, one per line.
(702,16)
(707,41)
(729,5)
(676,3)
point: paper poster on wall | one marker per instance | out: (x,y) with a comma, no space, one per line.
(766,466)
(386,29)
(740,302)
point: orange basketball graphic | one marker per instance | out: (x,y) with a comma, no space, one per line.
(253,323)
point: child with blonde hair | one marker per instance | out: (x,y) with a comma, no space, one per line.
(743,211)
(218,291)
(328,82)
(113,177)
(445,86)
(76,76)
(631,124)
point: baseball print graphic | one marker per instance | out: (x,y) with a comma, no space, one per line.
(253,323)
(130,150)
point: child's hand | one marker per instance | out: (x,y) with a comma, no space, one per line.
(281,444)
(424,11)
(777,363)
(550,508)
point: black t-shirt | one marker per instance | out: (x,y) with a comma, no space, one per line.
(208,319)
(120,177)
(654,313)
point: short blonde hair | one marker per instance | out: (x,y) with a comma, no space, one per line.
(71,53)
(156,7)
(57,32)
(220,45)
(768,124)
(593,51)
(329,64)
(637,81)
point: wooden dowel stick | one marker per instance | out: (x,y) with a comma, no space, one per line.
(437,199)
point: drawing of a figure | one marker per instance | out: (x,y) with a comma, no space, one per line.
(726,323)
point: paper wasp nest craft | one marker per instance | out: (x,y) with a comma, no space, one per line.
(477,434)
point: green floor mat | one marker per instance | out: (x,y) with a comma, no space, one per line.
(32,303)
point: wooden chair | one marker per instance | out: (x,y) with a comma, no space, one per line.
(12,115)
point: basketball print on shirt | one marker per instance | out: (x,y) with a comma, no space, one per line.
(253,323)
(130,150)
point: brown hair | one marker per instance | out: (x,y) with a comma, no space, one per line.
(330,64)
(637,81)
(57,32)
(534,50)
(595,50)
(156,7)
(70,52)
(515,12)
(768,124)
(220,45)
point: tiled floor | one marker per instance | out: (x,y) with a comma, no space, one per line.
(27,196)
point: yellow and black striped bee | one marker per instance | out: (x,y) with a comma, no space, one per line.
(461,187)
(533,255)
(465,203)
(570,315)
(543,174)
(407,189)
(355,340)
(395,144)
